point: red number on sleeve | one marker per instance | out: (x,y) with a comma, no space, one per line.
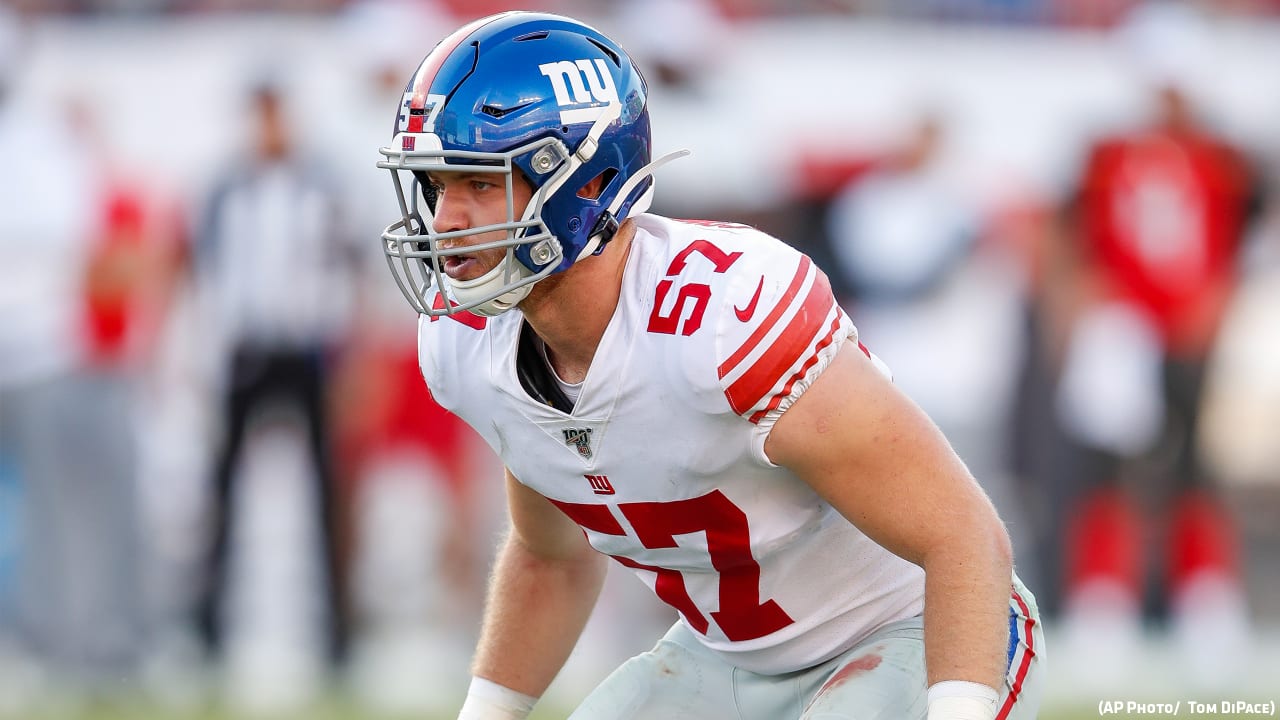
(719,258)
(667,324)
(698,293)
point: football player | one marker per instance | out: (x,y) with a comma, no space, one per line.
(688,399)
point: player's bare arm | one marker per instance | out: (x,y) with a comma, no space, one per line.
(545,582)
(875,456)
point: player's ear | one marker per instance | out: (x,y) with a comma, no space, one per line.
(596,185)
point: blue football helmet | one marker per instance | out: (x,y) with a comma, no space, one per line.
(541,95)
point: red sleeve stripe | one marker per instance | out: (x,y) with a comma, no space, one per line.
(1029,652)
(779,309)
(790,347)
(813,359)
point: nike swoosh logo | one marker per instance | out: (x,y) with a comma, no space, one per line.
(744,314)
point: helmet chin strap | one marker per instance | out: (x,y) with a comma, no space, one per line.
(467,291)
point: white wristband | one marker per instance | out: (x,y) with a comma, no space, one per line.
(487,700)
(962,700)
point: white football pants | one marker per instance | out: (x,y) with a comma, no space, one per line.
(881,678)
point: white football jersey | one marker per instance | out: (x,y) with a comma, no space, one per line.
(718,330)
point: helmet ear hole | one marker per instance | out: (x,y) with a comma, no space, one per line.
(429,193)
(595,187)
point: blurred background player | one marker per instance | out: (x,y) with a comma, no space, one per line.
(274,265)
(89,262)
(1151,247)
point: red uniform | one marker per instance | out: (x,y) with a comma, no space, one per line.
(1162,215)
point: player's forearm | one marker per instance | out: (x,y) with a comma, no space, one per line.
(534,614)
(966,618)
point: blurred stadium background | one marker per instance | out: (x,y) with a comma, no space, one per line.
(933,155)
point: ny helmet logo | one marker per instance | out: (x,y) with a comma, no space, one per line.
(591,84)
(580,438)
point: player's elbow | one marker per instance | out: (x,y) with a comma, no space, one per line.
(977,539)
(1001,547)
(988,535)
(989,538)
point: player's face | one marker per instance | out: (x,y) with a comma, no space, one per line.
(469,200)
